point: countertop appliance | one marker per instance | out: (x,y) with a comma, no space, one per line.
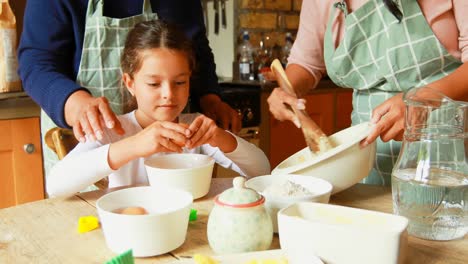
(245,99)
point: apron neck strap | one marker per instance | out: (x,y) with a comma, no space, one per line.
(147,9)
(341,5)
(97,7)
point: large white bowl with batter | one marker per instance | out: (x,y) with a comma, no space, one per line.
(343,166)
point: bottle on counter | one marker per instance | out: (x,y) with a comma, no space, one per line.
(246,59)
(264,58)
(287,49)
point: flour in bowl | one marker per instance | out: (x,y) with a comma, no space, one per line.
(286,189)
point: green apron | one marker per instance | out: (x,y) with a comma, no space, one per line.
(380,57)
(99,71)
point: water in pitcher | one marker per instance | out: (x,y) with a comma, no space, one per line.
(430,177)
(437,209)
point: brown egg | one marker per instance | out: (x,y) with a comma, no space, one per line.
(132,210)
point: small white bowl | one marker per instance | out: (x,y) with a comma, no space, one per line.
(320,189)
(343,166)
(187,171)
(162,230)
(339,234)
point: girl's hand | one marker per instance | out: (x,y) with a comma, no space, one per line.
(161,136)
(278,101)
(205,131)
(388,119)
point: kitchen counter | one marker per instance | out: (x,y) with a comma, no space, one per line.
(17,105)
(20,105)
(45,231)
(325,85)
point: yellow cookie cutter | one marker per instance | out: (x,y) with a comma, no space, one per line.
(87,223)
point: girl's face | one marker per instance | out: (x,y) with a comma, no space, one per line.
(161,86)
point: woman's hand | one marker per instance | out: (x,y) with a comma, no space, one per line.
(205,131)
(221,112)
(388,119)
(279,101)
(89,115)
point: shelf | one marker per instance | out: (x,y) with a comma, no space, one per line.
(4,96)
(17,105)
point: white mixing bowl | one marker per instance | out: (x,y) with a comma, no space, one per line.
(320,192)
(187,171)
(339,234)
(162,230)
(343,166)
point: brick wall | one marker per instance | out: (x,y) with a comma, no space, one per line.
(272,18)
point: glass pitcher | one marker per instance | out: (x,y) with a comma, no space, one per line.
(430,177)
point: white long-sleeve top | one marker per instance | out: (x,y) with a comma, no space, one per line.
(87,163)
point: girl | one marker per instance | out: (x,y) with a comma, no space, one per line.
(157,62)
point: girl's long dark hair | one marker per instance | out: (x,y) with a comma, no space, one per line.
(392,6)
(150,35)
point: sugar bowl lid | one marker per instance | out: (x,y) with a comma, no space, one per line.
(239,196)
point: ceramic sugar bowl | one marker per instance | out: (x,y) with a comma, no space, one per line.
(239,221)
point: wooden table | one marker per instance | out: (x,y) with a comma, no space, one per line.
(45,231)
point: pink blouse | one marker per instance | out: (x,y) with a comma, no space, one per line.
(447,18)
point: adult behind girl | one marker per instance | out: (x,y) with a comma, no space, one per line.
(157,63)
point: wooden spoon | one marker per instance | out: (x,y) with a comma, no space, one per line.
(316,140)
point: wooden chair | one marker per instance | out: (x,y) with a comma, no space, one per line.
(62,141)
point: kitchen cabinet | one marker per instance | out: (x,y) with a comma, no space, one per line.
(344,107)
(21,166)
(330,108)
(21,171)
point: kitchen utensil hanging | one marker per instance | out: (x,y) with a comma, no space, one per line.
(223,14)
(205,14)
(216,16)
(316,140)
